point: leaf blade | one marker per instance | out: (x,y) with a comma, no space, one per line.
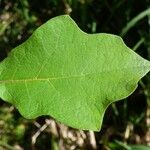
(70,75)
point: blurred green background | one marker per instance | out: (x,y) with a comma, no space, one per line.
(126,123)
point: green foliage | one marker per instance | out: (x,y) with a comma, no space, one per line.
(70,75)
(139,147)
(117,145)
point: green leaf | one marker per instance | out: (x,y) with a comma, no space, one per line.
(118,145)
(68,74)
(139,147)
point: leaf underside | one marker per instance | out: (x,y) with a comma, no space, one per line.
(68,74)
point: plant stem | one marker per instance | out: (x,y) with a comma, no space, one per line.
(131,23)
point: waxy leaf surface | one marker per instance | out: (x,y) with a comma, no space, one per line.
(70,75)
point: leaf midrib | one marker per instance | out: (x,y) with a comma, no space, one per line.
(41,79)
(63,77)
